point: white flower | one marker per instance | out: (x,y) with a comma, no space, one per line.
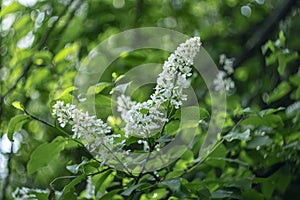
(228,66)
(227,63)
(223,83)
(146,118)
(85,127)
(222,58)
(173,79)
(25,193)
(142,119)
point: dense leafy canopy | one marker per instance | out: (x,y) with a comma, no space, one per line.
(257,155)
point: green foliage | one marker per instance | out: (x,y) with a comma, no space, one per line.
(257,152)
(15,124)
(44,154)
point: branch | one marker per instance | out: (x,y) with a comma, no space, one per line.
(265,29)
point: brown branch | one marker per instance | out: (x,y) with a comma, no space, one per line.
(263,32)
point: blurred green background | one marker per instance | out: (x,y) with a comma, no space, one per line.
(44,42)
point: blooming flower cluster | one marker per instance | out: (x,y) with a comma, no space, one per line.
(223,80)
(82,123)
(89,129)
(173,79)
(146,118)
(142,119)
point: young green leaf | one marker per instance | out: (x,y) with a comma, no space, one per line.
(15,124)
(68,191)
(18,105)
(44,154)
(99,87)
(237,135)
(172,184)
(128,191)
(109,195)
(101,180)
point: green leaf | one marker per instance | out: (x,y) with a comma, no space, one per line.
(101,180)
(271,59)
(282,38)
(270,111)
(14,7)
(297,93)
(110,195)
(15,124)
(229,160)
(221,194)
(295,79)
(215,159)
(18,105)
(128,191)
(283,59)
(172,127)
(237,135)
(259,141)
(280,91)
(44,154)
(271,120)
(173,184)
(68,191)
(99,87)
(252,194)
(156,194)
(244,184)
(62,55)
(66,95)
(42,58)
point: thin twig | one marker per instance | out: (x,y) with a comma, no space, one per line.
(75,176)
(63,133)
(144,167)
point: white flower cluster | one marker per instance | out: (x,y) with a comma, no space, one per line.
(173,79)
(82,123)
(142,119)
(25,193)
(223,80)
(146,118)
(88,128)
